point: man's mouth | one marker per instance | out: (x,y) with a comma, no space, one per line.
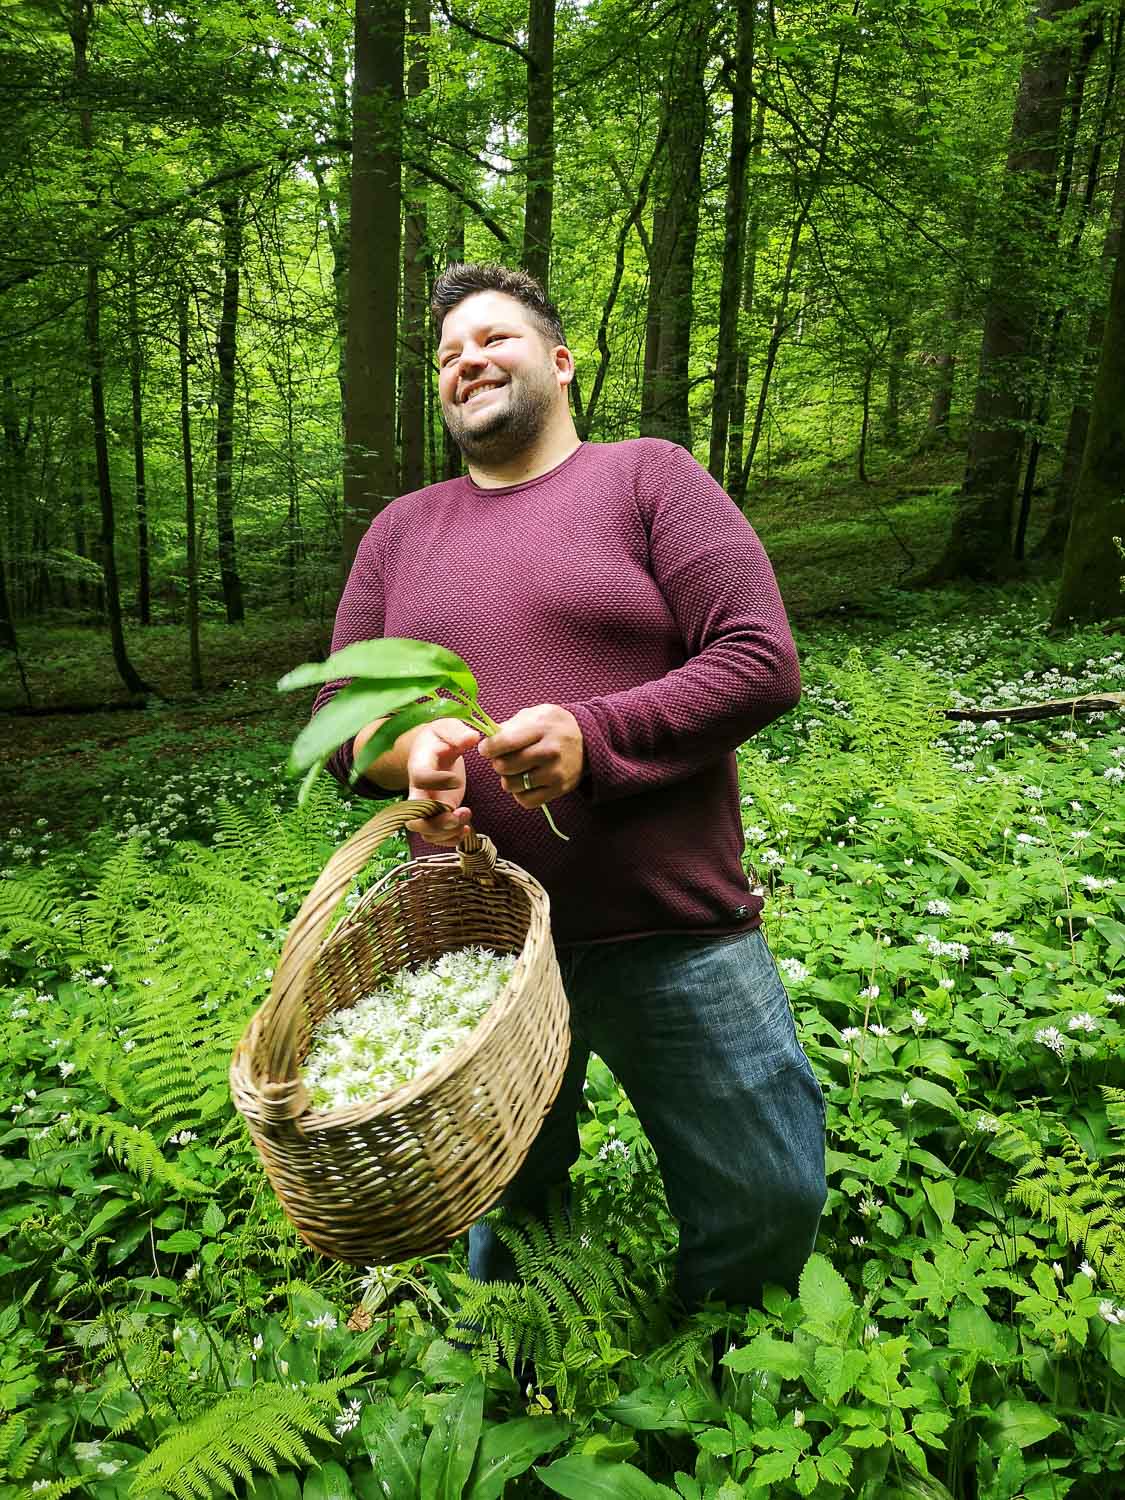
(480,389)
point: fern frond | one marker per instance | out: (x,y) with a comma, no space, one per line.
(138,1151)
(245,1431)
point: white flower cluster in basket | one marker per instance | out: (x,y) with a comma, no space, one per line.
(389,1037)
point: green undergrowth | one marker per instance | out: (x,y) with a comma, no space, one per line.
(947,908)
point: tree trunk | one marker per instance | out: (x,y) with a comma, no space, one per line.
(1090,42)
(777,332)
(81,15)
(539,203)
(675,227)
(189,501)
(980,544)
(454,252)
(144,590)
(370,471)
(226,349)
(734,241)
(749,276)
(899,343)
(1093,564)
(413,374)
(1054,538)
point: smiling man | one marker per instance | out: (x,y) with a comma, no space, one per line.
(626,631)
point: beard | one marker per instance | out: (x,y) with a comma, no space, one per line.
(514,425)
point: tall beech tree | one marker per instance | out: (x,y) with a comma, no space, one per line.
(740,70)
(980,543)
(79,23)
(1093,564)
(675,229)
(370,467)
(540,197)
(226,354)
(413,381)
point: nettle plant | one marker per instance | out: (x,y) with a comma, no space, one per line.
(405,682)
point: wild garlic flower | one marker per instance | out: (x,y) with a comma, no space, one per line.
(1083,1021)
(348,1418)
(403,1028)
(793,969)
(938,908)
(1052,1038)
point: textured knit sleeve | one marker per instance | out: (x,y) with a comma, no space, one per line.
(359,617)
(741,670)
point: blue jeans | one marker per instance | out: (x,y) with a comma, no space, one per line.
(699,1033)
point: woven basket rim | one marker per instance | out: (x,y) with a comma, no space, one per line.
(311,1121)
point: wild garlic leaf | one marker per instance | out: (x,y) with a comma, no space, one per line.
(406,718)
(395,658)
(347,713)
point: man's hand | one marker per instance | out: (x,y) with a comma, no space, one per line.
(435,767)
(542,744)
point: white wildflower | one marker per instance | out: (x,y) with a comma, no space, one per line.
(326,1320)
(67,1068)
(938,907)
(986,1124)
(946,984)
(917,1018)
(877,1030)
(798,1417)
(1110,1312)
(1113,999)
(87,1453)
(1051,1037)
(1114,773)
(908,1101)
(857,1240)
(110,1466)
(1087,1270)
(869,992)
(869,1205)
(1002,940)
(1083,1021)
(348,1418)
(850,1034)
(870,1333)
(793,969)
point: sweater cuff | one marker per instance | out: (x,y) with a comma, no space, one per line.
(340,765)
(597,784)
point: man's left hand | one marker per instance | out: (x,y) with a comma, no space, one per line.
(538,754)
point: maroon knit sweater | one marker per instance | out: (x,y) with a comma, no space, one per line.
(626,586)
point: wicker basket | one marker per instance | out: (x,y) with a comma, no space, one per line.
(402,1175)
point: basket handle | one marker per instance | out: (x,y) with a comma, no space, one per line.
(478,857)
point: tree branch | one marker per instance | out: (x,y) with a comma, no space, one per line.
(1090,703)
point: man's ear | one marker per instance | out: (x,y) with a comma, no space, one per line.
(564,364)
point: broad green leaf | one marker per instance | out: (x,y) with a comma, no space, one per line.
(579,1478)
(182,1242)
(971,1328)
(1020,1422)
(329,1482)
(652,1408)
(214,1220)
(1112,930)
(942,1198)
(394,1440)
(827,1302)
(353,707)
(970,877)
(382,660)
(929,1092)
(770,1468)
(448,1457)
(509,1449)
(283,1486)
(839,1370)
(406,718)
(766,1353)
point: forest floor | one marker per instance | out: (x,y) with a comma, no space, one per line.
(837,545)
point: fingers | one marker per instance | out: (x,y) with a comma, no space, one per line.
(445,829)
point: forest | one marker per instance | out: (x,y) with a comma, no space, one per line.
(864,260)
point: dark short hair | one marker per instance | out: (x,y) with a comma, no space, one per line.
(461,280)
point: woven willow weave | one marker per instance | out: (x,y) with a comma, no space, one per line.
(402,1175)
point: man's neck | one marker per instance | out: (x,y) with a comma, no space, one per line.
(545,454)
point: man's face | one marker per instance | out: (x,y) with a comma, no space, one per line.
(497,377)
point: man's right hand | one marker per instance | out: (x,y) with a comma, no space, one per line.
(435,768)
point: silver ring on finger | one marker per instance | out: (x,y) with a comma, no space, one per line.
(526,782)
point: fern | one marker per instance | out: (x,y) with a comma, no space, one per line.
(245,1431)
(1083,1201)
(136,1150)
(571,1282)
